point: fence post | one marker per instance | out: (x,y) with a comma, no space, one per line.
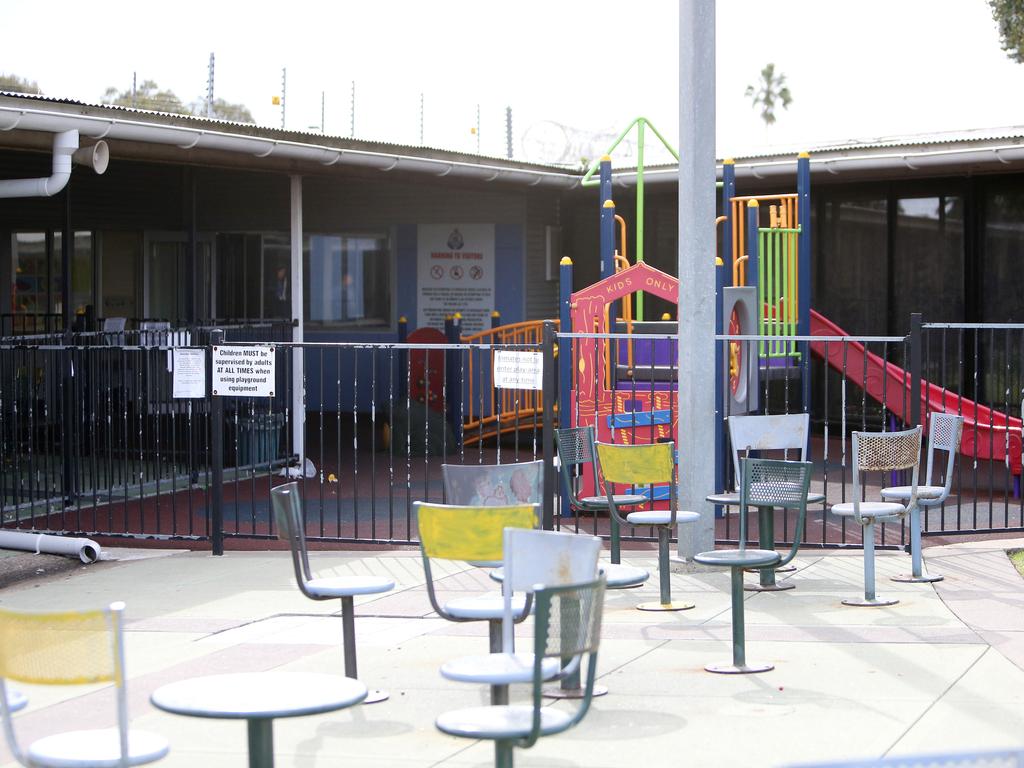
(403,357)
(565,350)
(915,369)
(217,452)
(455,379)
(547,431)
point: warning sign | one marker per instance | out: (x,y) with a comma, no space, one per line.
(455,273)
(243,371)
(518,370)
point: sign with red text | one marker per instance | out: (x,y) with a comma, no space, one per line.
(455,273)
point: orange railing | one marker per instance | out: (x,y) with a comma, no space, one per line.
(497,411)
(784,216)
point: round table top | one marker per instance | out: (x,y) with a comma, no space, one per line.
(732,498)
(259,695)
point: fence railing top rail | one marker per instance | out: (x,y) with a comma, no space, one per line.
(727,337)
(974,326)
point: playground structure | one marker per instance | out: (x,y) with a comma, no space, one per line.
(621,377)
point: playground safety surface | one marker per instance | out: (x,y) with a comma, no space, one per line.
(942,670)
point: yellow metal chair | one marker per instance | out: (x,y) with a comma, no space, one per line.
(636,466)
(474,535)
(72,648)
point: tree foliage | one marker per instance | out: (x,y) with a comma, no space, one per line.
(1009,15)
(148,95)
(15,84)
(769,92)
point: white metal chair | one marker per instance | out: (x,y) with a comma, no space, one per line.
(291,527)
(494,485)
(879,452)
(944,432)
(532,558)
(567,624)
(777,432)
(72,648)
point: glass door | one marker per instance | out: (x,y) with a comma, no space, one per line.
(169,279)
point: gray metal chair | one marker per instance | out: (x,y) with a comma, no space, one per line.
(71,648)
(763,483)
(879,452)
(567,623)
(291,528)
(944,432)
(635,466)
(494,485)
(575,453)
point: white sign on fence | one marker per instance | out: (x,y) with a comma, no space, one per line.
(518,370)
(243,371)
(189,372)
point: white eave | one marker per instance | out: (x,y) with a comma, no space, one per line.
(187,138)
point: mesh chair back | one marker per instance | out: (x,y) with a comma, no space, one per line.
(886,451)
(66,648)
(454,532)
(568,619)
(494,485)
(637,464)
(773,483)
(575,446)
(944,434)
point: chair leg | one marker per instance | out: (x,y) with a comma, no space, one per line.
(499,693)
(348,632)
(665,576)
(870,599)
(917,574)
(503,754)
(739,664)
(261,742)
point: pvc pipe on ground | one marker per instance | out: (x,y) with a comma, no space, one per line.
(87,550)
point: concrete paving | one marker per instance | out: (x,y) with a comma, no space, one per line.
(942,670)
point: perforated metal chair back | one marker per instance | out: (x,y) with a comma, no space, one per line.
(491,485)
(575,450)
(886,452)
(782,432)
(774,483)
(944,433)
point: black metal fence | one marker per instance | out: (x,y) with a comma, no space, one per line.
(94,441)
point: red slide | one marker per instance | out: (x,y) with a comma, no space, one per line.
(988,434)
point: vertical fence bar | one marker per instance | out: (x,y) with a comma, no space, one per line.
(548,435)
(217,451)
(915,369)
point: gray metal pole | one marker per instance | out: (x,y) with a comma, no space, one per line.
(298,403)
(696,271)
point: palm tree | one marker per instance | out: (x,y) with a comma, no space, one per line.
(771,89)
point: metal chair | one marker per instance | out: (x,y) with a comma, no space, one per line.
(635,465)
(291,528)
(567,623)
(532,558)
(72,648)
(472,534)
(494,485)
(944,433)
(879,452)
(763,483)
(575,452)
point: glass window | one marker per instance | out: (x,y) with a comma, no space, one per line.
(928,260)
(348,280)
(36,263)
(1002,274)
(851,274)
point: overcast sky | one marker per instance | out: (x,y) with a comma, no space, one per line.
(855,70)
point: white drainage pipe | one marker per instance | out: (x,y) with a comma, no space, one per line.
(64,145)
(87,550)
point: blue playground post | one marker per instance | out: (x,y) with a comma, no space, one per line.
(803,326)
(565,354)
(607,238)
(723,277)
(752,258)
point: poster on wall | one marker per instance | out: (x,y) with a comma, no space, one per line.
(455,273)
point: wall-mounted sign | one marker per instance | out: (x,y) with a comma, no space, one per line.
(518,370)
(243,371)
(455,273)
